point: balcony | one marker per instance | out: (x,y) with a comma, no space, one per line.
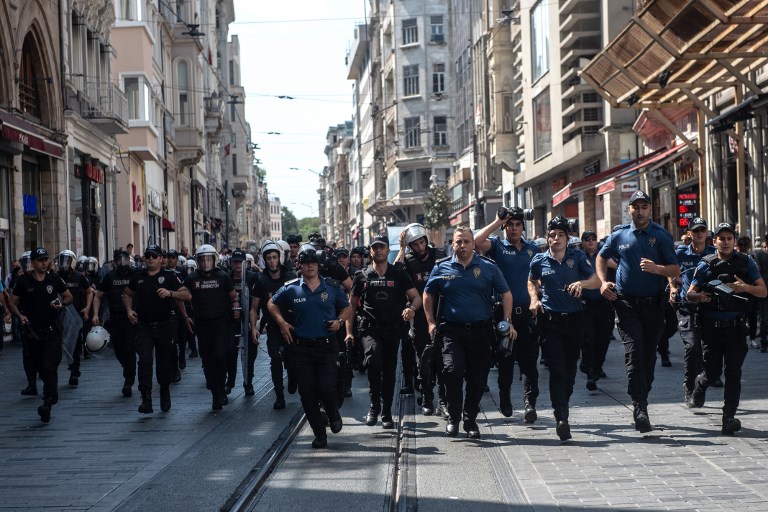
(190,142)
(107,107)
(214,116)
(170,127)
(357,53)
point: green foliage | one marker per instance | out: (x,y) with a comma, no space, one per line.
(288,219)
(308,225)
(438,208)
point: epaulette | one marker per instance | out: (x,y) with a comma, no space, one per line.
(620,226)
(437,262)
(486,258)
(332,282)
(292,281)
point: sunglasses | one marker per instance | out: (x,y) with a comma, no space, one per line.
(590,240)
(151,256)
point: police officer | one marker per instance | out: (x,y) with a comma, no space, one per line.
(561,273)
(419,263)
(689,257)
(646,260)
(513,255)
(215,303)
(82,297)
(467,283)
(150,307)
(722,319)
(35,302)
(315,303)
(275,275)
(356,257)
(121,330)
(381,290)
(599,319)
(345,366)
(238,265)
(171,262)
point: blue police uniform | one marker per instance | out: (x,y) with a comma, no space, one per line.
(692,362)
(514,264)
(561,322)
(598,325)
(467,331)
(315,352)
(641,302)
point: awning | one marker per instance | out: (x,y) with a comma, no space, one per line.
(680,52)
(355,233)
(561,195)
(168,225)
(660,158)
(22,131)
(462,210)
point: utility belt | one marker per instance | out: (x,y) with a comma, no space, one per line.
(37,333)
(156,326)
(596,304)
(561,318)
(316,342)
(730,323)
(655,300)
(367,323)
(470,325)
(521,311)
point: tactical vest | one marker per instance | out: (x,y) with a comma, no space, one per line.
(735,266)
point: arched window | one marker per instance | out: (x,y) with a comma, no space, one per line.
(29,98)
(182,85)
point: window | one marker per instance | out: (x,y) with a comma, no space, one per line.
(438,78)
(411,80)
(139,97)
(182,85)
(131,10)
(539,40)
(440,131)
(542,125)
(425,179)
(412,132)
(508,113)
(436,22)
(406,180)
(234,164)
(182,10)
(29,79)
(410,32)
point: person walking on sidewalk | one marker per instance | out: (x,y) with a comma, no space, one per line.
(82,298)
(646,260)
(37,299)
(723,319)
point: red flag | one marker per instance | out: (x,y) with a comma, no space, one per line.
(226,150)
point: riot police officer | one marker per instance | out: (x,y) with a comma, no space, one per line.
(720,286)
(275,275)
(513,255)
(121,330)
(215,303)
(319,307)
(561,273)
(689,257)
(419,263)
(35,302)
(646,259)
(466,282)
(238,266)
(150,307)
(381,290)
(82,298)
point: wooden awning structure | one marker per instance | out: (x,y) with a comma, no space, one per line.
(680,52)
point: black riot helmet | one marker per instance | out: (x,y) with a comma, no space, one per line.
(307,256)
(558,222)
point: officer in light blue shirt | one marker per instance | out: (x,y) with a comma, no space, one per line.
(466,283)
(561,273)
(646,259)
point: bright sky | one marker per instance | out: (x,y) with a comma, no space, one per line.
(295,49)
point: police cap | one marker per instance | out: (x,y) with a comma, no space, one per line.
(638,196)
(153,249)
(39,254)
(238,255)
(724,226)
(696,223)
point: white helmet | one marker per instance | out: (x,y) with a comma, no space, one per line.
(207,257)
(66,260)
(81,263)
(25,261)
(92,265)
(286,249)
(182,260)
(97,340)
(250,261)
(265,242)
(191,265)
(415,231)
(272,247)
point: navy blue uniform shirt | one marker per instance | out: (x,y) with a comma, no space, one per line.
(514,265)
(555,276)
(311,309)
(689,260)
(467,292)
(628,245)
(593,295)
(703,275)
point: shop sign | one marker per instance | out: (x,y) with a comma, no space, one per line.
(687,207)
(154,200)
(559,184)
(92,172)
(591,168)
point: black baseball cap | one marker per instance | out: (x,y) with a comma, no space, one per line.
(39,254)
(588,233)
(342,250)
(238,255)
(381,240)
(153,249)
(696,223)
(724,226)
(639,195)
(172,253)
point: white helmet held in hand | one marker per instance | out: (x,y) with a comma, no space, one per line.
(97,340)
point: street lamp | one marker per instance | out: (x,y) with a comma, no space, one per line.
(302,169)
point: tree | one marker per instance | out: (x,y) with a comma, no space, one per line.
(437,208)
(288,219)
(308,225)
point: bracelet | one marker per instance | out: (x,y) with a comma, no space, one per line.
(411,308)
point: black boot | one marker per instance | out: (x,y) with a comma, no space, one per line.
(699,395)
(373,414)
(30,390)
(146,403)
(249,391)
(182,361)
(642,421)
(530,411)
(731,425)
(386,418)
(505,403)
(165,398)
(127,391)
(279,399)
(45,410)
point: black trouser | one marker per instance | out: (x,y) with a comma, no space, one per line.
(762,308)
(316,377)
(215,344)
(466,356)
(640,327)
(670,328)
(79,348)
(420,340)
(723,351)
(28,359)
(156,340)
(380,348)
(407,355)
(232,353)
(692,362)
(598,325)
(43,348)
(525,350)
(278,356)
(344,375)
(123,338)
(561,344)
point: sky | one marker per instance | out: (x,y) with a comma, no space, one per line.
(295,49)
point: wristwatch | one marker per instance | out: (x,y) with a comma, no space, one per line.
(341,322)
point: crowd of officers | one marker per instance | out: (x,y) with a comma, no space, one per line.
(497,301)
